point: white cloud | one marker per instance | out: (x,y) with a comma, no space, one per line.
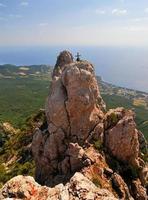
(43,24)
(2,5)
(119,12)
(15,16)
(146,10)
(100,12)
(24,3)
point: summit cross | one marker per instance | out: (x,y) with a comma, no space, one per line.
(78,57)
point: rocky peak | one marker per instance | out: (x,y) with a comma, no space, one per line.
(74,117)
(65,57)
(96,155)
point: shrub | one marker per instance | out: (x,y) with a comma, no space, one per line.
(2,173)
(114,118)
(98,145)
(96,181)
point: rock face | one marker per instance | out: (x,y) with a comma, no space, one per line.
(75,120)
(123,190)
(64,58)
(122,139)
(79,187)
(125,142)
(82,152)
(138,191)
(73,116)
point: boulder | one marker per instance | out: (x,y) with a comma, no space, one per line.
(82,188)
(121,139)
(121,187)
(79,187)
(139,192)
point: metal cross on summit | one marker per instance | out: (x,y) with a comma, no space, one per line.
(78,57)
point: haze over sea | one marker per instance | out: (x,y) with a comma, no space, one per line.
(123,66)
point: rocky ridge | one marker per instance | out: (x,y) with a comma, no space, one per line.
(82,152)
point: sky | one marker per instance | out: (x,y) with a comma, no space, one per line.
(74,22)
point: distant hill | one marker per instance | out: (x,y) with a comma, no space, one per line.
(13,71)
(23,90)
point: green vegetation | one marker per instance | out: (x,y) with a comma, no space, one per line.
(16,158)
(21,97)
(113,163)
(96,181)
(114,118)
(133,172)
(114,101)
(7,71)
(98,145)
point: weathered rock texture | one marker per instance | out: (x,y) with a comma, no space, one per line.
(122,188)
(125,142)
(79,187)
(73,115)
(122,139)
(75,120)
(95,155)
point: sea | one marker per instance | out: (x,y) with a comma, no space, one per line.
(122,66)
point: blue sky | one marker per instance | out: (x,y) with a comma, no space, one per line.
(74,22)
